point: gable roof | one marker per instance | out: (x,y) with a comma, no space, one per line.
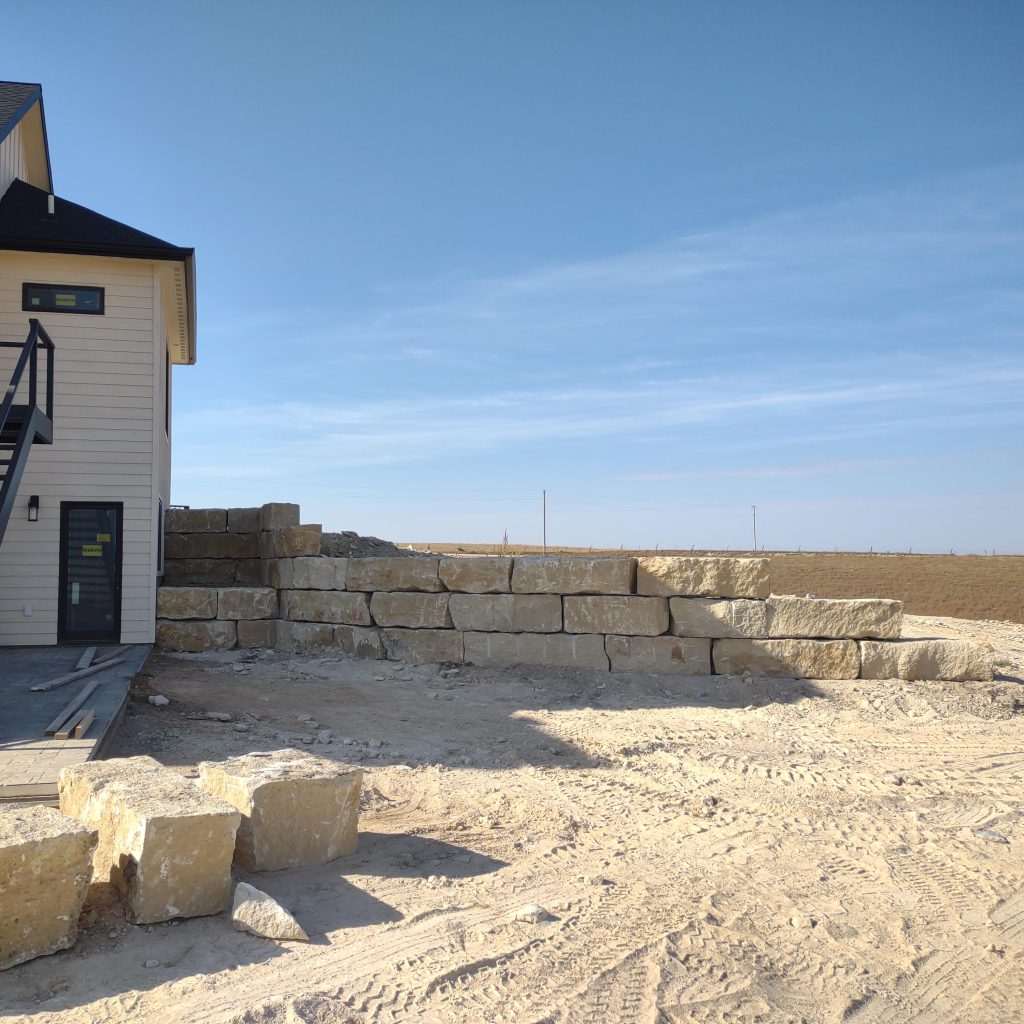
(21,103)
(15,100)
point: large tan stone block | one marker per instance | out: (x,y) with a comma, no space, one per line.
(718,617)
(689,576)
(558,650)
(186,603)
(833,618)
(537,574)
(244,520)
(664,655)
(211,545)
(279,515)
(950,660)
(246,603)
(507,613)
(257,633)
(297,809)
(290,541)
(195,520)
(336,606)
(200,572)
(413,574)
(413,611)
(787,659)
(423,646)
(278,573)
(630,616)
(477,574)
(45,870)
(303,637)
(165,844)
(195,637)
(360,642)
(318,572)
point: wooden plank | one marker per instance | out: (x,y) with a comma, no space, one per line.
(66,731)
(52,684)
(84,722)
(108,655)
(83,696)
(86,659)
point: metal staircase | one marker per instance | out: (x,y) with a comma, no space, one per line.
(21,426)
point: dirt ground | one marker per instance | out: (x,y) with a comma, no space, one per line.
(706,850)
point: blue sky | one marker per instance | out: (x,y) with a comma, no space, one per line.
(665,260)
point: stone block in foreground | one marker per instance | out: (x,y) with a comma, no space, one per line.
(691,576)
(834,618)
(412,611)
(195,637)
(384,573)
(164,843)
(630,616)
(336,606)
(507,613)
(478,574)
(246,603)
(787,659)
(423,646)
(718,618)
(45,870)
(663,655)
(950,660)
(554,649)
(539,574)
(186,603)
(297,809)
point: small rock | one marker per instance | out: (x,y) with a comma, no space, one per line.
(259,914)
(241,727)
(113,933)
(532,913)
(348,741)
(324,736)
(303,718)
(378,679)
(375,744)
(158,700)
(151,963)
(308,740)
(218,716)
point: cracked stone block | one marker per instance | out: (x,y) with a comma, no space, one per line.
(663,655)
(412,611)
(691,576)
(948,660)
(787,659)
(718,618)
(383,573)
(45,870)
(423,646)
(834,618)
(195,637)
(559,650)
(507,613)
(632,616)
(186,603)
(246,603)
(477,574)
(163,842)
(297,809)
(538,574)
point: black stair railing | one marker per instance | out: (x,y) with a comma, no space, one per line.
(37,338)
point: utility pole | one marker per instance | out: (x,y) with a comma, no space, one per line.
(754,507)
(544,516)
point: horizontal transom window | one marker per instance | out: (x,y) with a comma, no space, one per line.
(62,298)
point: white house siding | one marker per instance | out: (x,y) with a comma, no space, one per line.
(105,414)
(12,159)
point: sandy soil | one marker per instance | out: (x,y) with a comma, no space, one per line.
(706,850)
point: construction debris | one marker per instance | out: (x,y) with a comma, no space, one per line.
(259,914)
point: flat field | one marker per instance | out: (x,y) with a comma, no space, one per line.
(705,850)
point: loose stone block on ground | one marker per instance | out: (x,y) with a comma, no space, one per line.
(383,573)
(690,576)
(718,617)
(164,843)
(629,616)
(664,655)
(297,809)
(538,574)
(186,603)
(423,646)
(555,649)
(45,870)
(246,603)
(834,618)
(360,642)
(949,660)
(477,574)
(412,611)
(340,607)
(787,659)
(194,637)
(507,613)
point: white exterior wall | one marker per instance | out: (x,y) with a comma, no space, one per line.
(12,159)
(109,442)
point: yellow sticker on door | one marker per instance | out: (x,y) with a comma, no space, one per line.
(102,538)
(92,550)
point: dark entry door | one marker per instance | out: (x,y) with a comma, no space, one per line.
(90,572)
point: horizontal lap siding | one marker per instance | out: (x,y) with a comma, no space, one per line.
(103,438)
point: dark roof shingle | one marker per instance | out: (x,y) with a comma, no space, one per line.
(13,98)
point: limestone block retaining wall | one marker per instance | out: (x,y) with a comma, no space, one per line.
(665,615)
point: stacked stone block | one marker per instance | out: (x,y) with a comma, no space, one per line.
(665,615)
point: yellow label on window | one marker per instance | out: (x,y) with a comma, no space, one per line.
(102,538)
(92,550)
